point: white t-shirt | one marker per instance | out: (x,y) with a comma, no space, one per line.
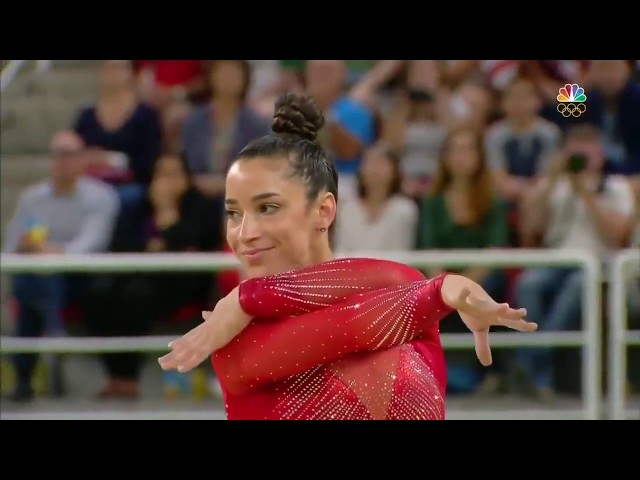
(570,225)
(394,229)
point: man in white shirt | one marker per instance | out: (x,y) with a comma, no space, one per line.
(573,206)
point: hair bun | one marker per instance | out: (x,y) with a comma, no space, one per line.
(297,115)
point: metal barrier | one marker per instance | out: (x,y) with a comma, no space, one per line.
(589,338)
(620,338)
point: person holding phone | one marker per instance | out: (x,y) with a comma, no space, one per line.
(575,206)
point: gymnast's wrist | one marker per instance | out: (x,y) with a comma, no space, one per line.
(234,306)
(451,287)
(228,319)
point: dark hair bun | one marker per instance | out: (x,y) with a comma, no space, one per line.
(297,115)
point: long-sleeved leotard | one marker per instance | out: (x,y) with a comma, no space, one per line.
(312,288)
(332,358)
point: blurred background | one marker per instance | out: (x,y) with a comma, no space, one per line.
(129,156)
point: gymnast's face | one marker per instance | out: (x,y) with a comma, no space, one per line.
(272,226)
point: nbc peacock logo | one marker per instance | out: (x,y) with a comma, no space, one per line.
(571,100)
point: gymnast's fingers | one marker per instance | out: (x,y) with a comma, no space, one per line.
(195,359)
(480,307)
(521,325)
(483,350)
(512,313)
(193,334)
(202,341)
(168,361)
(488,307)
(182,350)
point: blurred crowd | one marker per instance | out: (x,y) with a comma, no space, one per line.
(443,155)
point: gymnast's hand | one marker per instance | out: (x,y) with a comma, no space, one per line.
(220,326)
(480,312)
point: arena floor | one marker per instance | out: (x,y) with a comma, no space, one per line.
(84,379)
(148,409)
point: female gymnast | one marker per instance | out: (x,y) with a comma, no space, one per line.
(307,336)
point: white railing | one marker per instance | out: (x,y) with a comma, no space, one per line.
(10,71)
(620,337)
(589,338)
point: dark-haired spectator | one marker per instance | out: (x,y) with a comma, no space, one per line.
(214,133)
(380,217)
(176,217)
(123,135)
(415,127)
(463,210)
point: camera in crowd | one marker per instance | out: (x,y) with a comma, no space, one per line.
(576,163)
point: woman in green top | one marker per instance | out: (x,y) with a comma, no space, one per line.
(463,211)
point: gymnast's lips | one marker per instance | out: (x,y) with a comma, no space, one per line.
(255,254)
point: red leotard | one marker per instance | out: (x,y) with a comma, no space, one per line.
(347,339)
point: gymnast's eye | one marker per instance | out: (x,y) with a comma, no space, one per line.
(268,208)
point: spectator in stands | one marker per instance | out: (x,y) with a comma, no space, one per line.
(172,87)
(416,130)
(381,217)
(464,211)
(350,125)
(123,134)
(376,84)
(273,78)
(175,218)
(574,205)
(214,133)
(613,103)
(470,105)
(494,73)
(65,214)
(520,146)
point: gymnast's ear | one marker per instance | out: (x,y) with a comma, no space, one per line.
(326,210)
